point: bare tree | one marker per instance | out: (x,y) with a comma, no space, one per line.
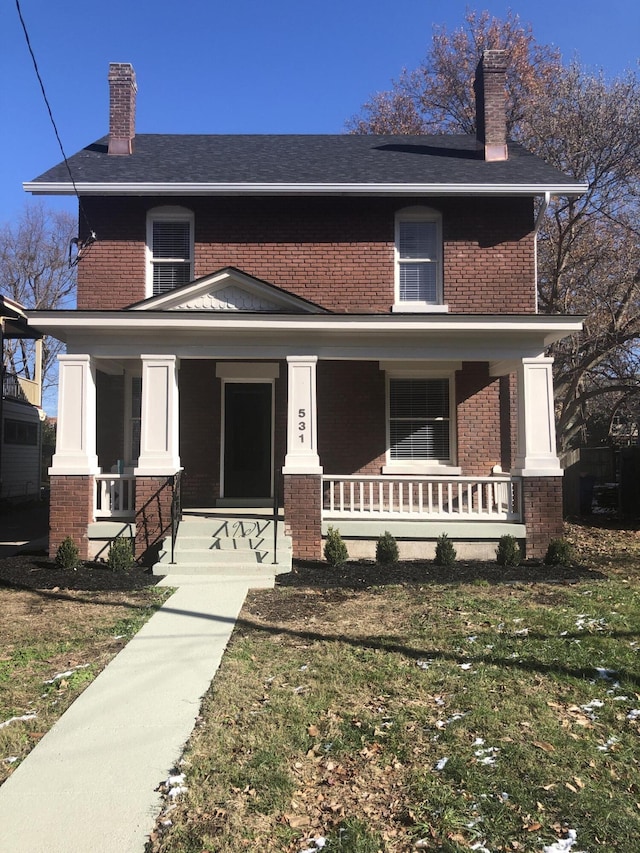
(589,248)
(35,271)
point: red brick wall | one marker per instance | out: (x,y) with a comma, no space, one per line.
(478,419)
(338,253)
(303,514)
(71,511)
(153,516)
(542,510)
(351,417)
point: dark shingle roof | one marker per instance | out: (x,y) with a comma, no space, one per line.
(303,159)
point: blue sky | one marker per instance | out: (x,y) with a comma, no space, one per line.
(276,66)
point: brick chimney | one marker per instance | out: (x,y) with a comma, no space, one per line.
(490,90)
(122,107)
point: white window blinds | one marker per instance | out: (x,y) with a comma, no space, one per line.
(418,258)
(171,254)
(419,419)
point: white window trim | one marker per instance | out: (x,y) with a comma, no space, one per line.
(166,213)
(423,467)
(418,214)
(247,377)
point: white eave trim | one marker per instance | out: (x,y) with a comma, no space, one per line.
(395,189)
(126,322)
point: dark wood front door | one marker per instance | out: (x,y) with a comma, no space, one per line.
(247,439)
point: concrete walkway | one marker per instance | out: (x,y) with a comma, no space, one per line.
(89,785)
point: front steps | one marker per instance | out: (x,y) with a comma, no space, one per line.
(231,545)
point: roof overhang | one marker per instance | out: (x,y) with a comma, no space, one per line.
(293,189)
(196,334)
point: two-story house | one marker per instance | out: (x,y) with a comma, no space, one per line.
(347,322)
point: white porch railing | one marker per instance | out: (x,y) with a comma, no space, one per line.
(414,498)
(115,496)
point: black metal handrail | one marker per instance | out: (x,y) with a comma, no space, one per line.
(176,510)
(276,483)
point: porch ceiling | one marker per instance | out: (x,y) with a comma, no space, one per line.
(206,334)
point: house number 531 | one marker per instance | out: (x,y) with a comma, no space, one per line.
(302,424)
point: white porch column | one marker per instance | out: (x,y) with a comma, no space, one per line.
(302,417)
(159,422)
(76,434)
(536,455)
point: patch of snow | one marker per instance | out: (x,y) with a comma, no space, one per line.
(17,719)
(479,741)
(11,759)
(620,698)
(634,714)
(465,666)
(441,764)
(472,639)
(479,846)
(66,674)
(439,700)
(562,845)
(524,632)
(607,746)
(423,664)
(487,756)
(606,674)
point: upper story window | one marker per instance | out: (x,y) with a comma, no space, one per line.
(418,254)
(169,249)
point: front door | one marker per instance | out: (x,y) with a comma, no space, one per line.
(247,439)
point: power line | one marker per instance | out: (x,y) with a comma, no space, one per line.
(92,236)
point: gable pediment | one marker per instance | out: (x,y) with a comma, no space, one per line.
(229,289)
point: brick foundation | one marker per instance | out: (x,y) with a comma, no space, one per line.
(71,511)
(542,511)
(153,516)
(303,514)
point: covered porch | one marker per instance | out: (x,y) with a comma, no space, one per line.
(296,409)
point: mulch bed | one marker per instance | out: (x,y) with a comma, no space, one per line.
(29,571)
(361,574)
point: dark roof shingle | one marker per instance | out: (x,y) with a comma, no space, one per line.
(303,159)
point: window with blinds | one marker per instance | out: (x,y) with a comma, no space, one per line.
(419,419)
(171,242)
(418,254)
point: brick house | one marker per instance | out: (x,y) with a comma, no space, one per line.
(345,323)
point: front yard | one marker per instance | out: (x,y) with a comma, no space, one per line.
(365,709)
(429,713)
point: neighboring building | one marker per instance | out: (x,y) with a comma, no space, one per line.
(348,322)
(21,413)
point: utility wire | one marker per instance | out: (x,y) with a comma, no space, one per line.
(92,236)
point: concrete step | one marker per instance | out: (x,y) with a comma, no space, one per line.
(228,528)
(227,546)
(209,543)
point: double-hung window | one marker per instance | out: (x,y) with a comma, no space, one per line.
(421,426)
(418,253)
(419,420)
(169,249)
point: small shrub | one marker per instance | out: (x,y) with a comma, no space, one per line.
(335,551)
(445,552)
(67,555)
(386,549)
(120,555)
(559,553)
(508,551)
